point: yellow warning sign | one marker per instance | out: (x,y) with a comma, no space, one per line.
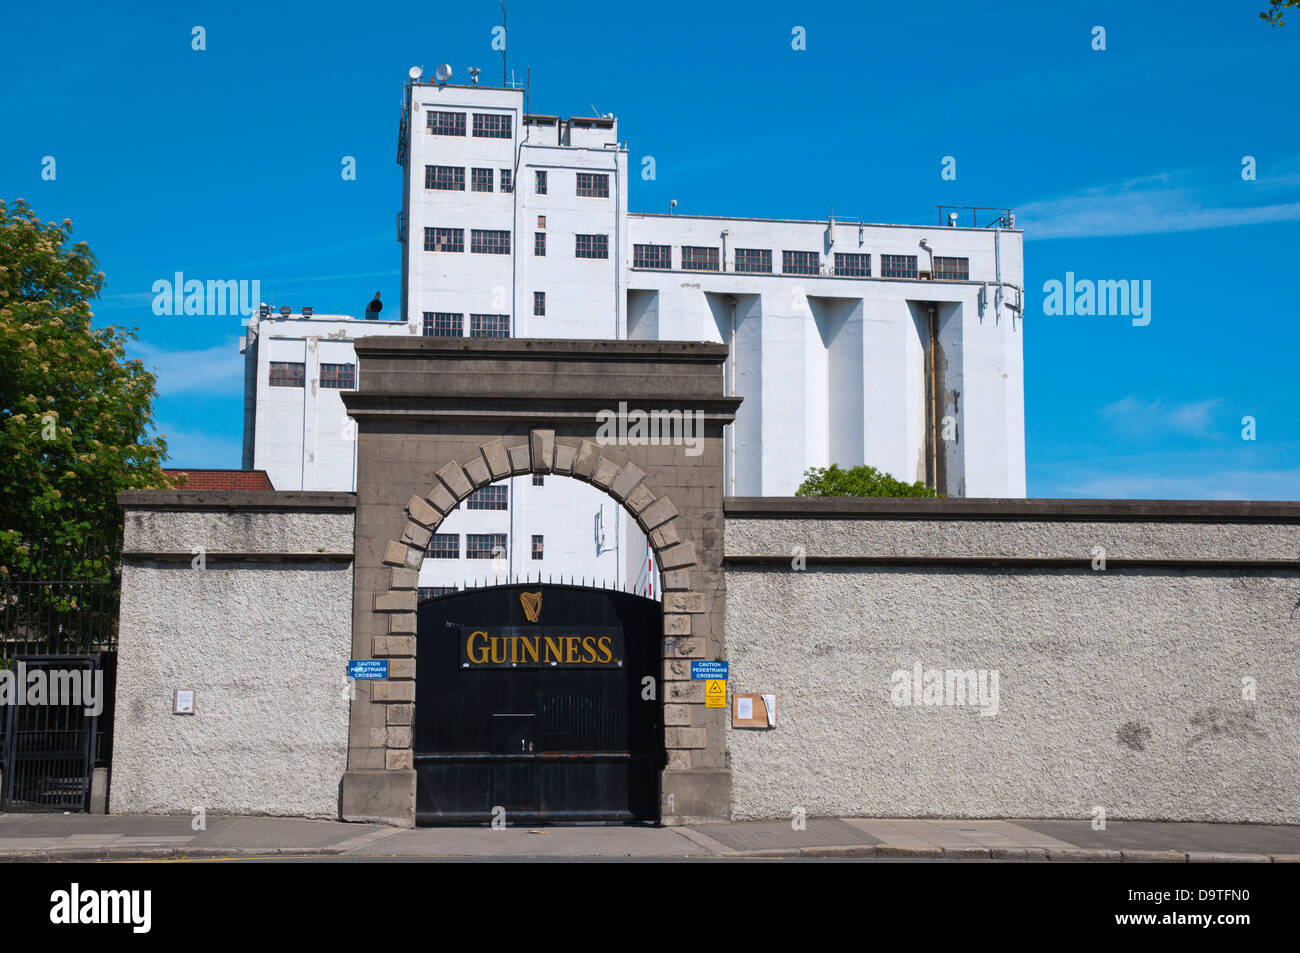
(715,693)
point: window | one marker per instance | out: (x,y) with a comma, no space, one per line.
(799,263)
(652,256)
(485,545)
(541,221)
(954,269)
(448,178)
(481,180)
(695,258)
(541,183)
(444,546)
(488,498)
(852,266)
(446,124)
(507,181)
(897,266)
(444,239)
(538,547)
(539,304)
(539,479)
(489,325)
(425,593)
(443,324)
(539,244)
(591,246)
(284,374)
(491,125)
(486,241)
(754,259)
(593,185)
(338,376)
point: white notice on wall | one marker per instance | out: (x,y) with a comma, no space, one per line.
(744,708)
(769,702)
(183,703)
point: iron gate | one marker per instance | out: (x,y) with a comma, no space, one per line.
(58,613)
(532,700)
(50,747)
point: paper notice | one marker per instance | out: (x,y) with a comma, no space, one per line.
(744,708)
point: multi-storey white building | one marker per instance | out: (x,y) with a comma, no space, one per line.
(895,346)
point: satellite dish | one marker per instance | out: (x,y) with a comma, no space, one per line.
(415,72)
(443,73)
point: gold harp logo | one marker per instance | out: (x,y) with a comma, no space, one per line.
(532,603)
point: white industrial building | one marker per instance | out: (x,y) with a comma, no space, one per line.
(896,346)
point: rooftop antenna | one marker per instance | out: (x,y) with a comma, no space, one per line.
(473,74)
(505,43)
(442,73)
(594,111)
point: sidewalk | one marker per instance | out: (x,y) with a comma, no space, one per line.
(41,837)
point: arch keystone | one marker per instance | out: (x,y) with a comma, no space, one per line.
(541,447)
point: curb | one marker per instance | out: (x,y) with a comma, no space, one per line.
(876,852)
(1024,854)
(82,854)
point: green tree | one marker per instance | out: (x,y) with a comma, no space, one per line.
(1275,10)
(76,417)
(857,481)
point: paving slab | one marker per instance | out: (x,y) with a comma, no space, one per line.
(1166,835)
(629,841)
(761,835)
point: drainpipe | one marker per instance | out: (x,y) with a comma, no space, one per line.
(731,430)
(932,408)
(997,265)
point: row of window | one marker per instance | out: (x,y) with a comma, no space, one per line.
(294,374)
(477,546)
(488,241)
(485,125)
(451,324)
(759,261)
(451,178)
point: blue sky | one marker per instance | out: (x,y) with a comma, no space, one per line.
(1124,163)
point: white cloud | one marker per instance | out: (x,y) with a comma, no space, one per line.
(1136,416)
(1220,485)
(1146,206)
(215,370)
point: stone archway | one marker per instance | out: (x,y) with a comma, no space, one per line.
(438,418)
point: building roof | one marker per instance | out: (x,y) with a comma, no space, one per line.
(224,479)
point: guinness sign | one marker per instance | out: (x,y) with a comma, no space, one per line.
(494,646)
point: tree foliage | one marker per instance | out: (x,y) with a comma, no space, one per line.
(1275,10)
(76,417)
(857,481)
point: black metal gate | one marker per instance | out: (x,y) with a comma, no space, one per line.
(533,706)
(58,621)
(50,746)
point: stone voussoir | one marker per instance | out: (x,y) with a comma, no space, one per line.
(454,479)
(628,479)
(496,458)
